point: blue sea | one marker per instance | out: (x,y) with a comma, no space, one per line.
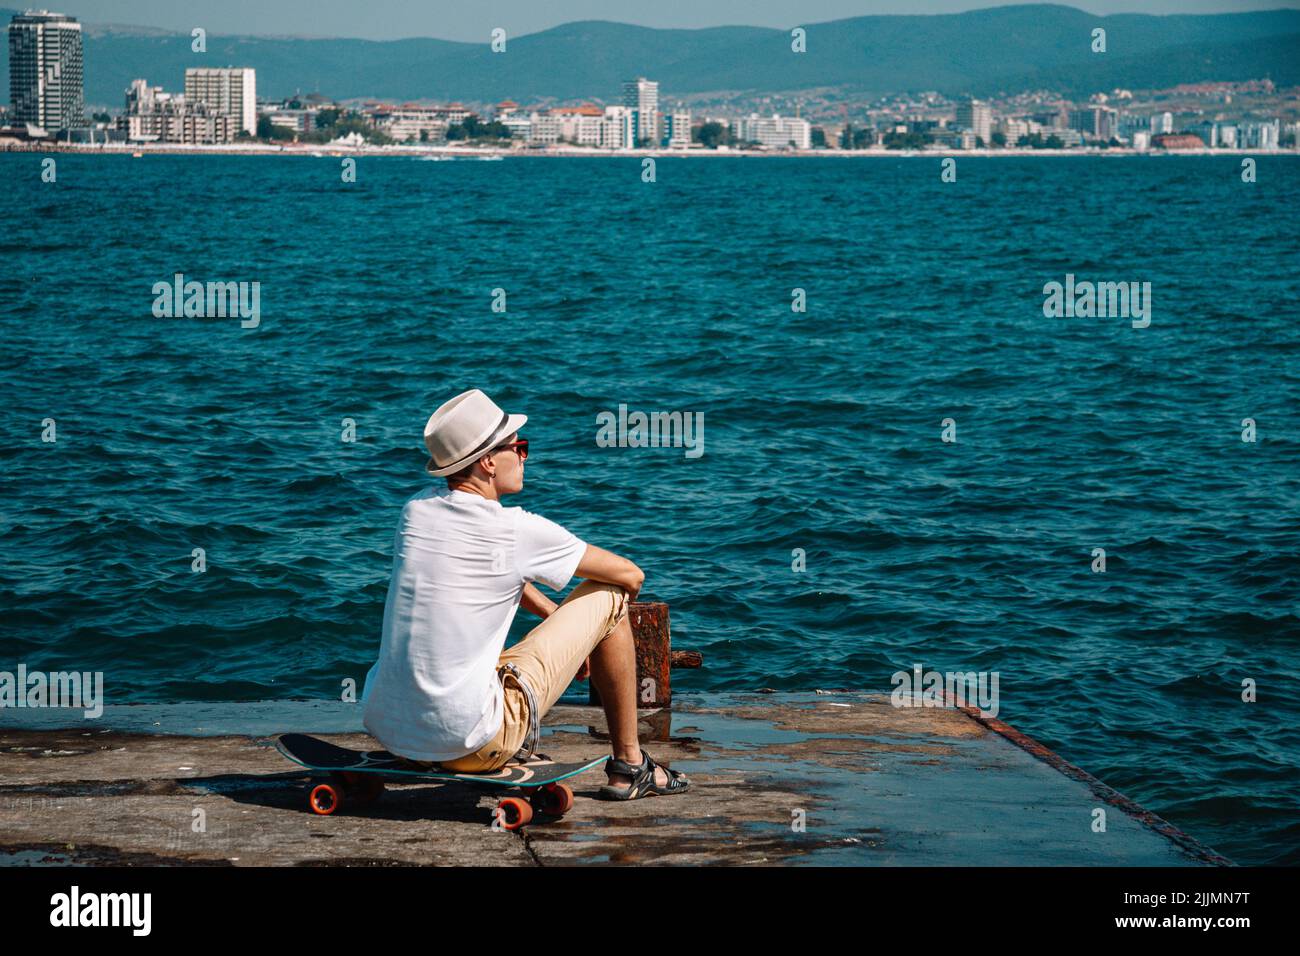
(823,429)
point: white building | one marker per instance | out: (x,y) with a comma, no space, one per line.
(579,124)
(1162,123)
(1013,129)
(955,138)
(410,122)
(641,96)
(775,131)
(976,117)
(156,116)
(520,126)
(412,126)
(176,124)
(1096,122)
(1260,135)
(228,90)
(545,128)
(618,128)
(677,129)
(300,121)
(143,98)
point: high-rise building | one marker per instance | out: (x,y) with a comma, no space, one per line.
(228,90)
(45,81)
(677,129)
(1096,122)
(641,96)
(976,117)
(1259,135)
(1130,123)
(1162,123)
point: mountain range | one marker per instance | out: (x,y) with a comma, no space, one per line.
(981,53)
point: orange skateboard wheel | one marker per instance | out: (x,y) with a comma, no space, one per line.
(325,798)
(514,812)
(554,799)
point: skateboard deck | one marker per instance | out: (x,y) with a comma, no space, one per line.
(316,754)
(357,777)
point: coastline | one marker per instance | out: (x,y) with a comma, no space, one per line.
(445,153)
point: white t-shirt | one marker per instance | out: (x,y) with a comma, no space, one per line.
(459,566)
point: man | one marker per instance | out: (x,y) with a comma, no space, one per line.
(442,689)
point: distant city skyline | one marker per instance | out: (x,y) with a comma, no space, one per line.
(393,19)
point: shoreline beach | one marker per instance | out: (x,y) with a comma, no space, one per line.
(494,153)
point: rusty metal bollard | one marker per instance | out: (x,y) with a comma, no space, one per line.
(655,657)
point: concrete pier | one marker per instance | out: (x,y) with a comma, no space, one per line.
(824,778)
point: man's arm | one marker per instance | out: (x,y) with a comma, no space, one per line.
(597,564)
(535,602)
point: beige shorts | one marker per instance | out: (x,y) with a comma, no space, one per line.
(548,657)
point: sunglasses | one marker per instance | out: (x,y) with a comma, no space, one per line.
(520,448)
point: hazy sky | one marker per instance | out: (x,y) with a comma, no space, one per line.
(474,19)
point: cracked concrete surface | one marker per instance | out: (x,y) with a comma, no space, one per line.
(777,779)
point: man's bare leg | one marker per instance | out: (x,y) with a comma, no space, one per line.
(613,674)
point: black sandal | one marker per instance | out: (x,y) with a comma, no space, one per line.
(643,780)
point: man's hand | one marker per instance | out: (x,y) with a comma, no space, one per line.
(584,671)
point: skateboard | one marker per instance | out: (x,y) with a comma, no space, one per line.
(356,778)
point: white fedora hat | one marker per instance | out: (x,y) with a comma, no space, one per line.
(464,428)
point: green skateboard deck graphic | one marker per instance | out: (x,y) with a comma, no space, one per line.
(316,754)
